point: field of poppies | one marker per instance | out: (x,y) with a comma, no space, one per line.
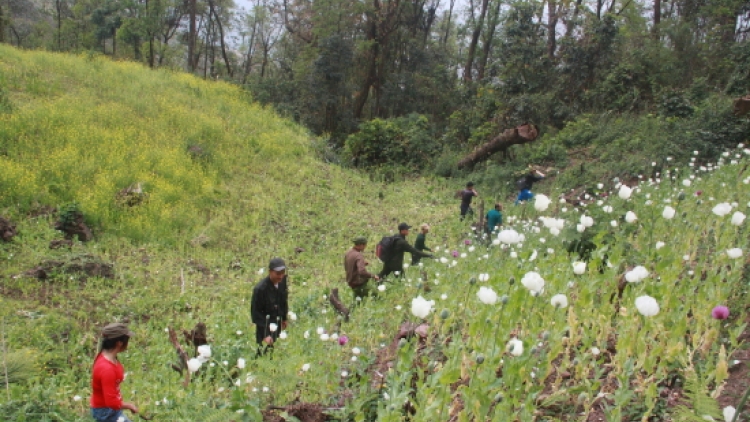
(624,302)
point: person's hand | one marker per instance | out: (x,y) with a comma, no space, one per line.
(284,324)
(130,406)
(268,340)
(376,277)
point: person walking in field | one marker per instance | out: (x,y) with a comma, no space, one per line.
(107,374)
(525,184)
(466,196)
(419,243)
(355,266)
(270,305)
(494,218)
(393,254)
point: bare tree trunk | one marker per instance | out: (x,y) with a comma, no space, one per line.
(372,60)
(474,41)
(487,45)
(114,42)
(2,24)
(552,17)
(58,6)
(657,17)
(448,23)
(571,23)
(191,36)
(518,135)
(221,37)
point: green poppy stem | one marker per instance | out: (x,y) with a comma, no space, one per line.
(741,405)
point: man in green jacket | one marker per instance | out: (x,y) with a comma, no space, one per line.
(395,259)
(419,244)
(494,218)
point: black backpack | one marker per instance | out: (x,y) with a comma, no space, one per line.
(522,183)
(384,250)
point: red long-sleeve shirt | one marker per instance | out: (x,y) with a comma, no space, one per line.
(105,383)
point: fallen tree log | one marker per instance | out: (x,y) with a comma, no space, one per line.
(742,106)
(522,134)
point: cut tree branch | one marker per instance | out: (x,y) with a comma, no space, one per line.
(522,134)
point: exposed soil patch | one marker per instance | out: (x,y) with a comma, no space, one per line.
(739,376)
(7,230)
(84,265)
(305,412)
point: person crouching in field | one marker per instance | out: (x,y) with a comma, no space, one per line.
(419,244)
(494,218)
(355,266)
(108,373)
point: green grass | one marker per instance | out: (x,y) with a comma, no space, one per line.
(82,129)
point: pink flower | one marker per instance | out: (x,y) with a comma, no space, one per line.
(467,242)
(698,193)
(455,254)
(720,312)
(343,340)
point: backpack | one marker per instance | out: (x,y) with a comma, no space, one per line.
(522,184)
(384,250)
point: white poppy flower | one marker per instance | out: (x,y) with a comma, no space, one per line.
(241,363)
(687,182)
(630,217)
(579,267)
(533,281)
(722,209)
(647,306)
(487,295)
(381,287)
(625,192)
(509,237)
(356,350)
(194,365)
(514,347)
(738,218)
(607,208)
(636,275)
(283,335)
(668,212)
(559,301)
(595,351)
(306,367)
(729,412)
(659,245)
(541,202)
(204,350)
(273,327)
(320,330)
(734,253)
(420,307)
(324,337)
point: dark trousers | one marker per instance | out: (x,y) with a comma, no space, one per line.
(466,209)
(261,332)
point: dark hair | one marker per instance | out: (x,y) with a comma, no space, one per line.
(470,184)
(111,343)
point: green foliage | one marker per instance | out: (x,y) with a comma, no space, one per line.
(697,402)
(404,141)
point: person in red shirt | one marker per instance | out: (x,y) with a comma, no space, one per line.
(108,373)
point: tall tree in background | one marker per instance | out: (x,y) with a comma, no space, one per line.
(478,23)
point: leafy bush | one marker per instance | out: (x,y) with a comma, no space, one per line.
(404,141)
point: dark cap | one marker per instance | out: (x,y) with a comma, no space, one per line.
(361,240)
(116,330)
(403,226)
(277,264)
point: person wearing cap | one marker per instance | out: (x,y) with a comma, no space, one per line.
(395,260)
(466,196)
(419,244)
(270,305)
(355,266)
(108,373)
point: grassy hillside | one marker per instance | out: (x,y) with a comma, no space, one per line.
(75,129)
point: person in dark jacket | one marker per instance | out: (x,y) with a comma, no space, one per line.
(466,196)
(270,305)
(525,184)
(419,244)
(395,260)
